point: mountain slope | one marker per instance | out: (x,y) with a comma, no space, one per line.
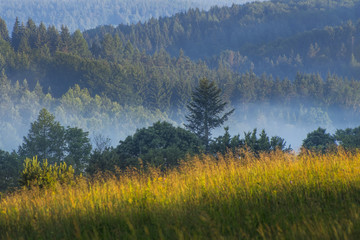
(202,34)
(85,14)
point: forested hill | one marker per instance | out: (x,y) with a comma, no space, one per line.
(85,14)
(252,32)
(304,73)
(203,33)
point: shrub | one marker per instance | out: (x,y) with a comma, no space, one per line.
(44,174)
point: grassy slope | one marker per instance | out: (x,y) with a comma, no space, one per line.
(280,196)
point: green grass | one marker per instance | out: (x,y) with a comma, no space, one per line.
(279,196)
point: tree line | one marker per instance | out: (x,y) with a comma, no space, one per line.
(278,37)
(159,81)
(85,14)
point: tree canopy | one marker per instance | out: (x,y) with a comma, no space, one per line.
(47,139)
(158,145)
(319,141)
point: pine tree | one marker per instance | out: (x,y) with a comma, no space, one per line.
(65,43)
(80,46)
(41,36)
(53,37)
(16,35)
(205,110)
(4,34)
(32,33)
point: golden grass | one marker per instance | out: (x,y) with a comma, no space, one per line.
(279,196)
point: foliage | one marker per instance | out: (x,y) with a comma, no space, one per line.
(206,110)
(46,138)
(223,144)
(10,168)
(44,175)
(103,161)
(264,143)
(78,148)
(160,145)
(319,141)
(250,142)
(49,140)
(282,196)
(348,138)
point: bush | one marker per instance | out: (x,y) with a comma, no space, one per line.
(160,145)
(319,141)
(44,175)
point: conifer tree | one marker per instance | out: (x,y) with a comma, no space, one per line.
(80,46)
(53,37)
(16,34)
(45,139)
(41,37)
(4,34)
(65,43)
(205,110)
(32,33)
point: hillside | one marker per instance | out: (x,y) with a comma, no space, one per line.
(204,33)
(333,49)
(261,35)
(93,13)
(279,196)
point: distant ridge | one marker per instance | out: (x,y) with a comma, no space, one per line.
(86,14)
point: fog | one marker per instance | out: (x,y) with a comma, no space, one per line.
(292,123)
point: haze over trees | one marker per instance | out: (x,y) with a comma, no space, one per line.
(93,13)
(277,37)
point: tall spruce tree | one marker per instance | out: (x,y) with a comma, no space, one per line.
(16,35)
(205,110)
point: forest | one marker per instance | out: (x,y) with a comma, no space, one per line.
(276,37)
(93,13)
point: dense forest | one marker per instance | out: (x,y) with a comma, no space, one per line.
(93,13)
(111,81)
(277,37)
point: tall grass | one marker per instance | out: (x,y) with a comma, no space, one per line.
(278,196)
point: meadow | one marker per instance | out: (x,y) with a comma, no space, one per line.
(276,196)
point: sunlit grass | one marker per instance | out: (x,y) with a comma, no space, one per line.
(277,196)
